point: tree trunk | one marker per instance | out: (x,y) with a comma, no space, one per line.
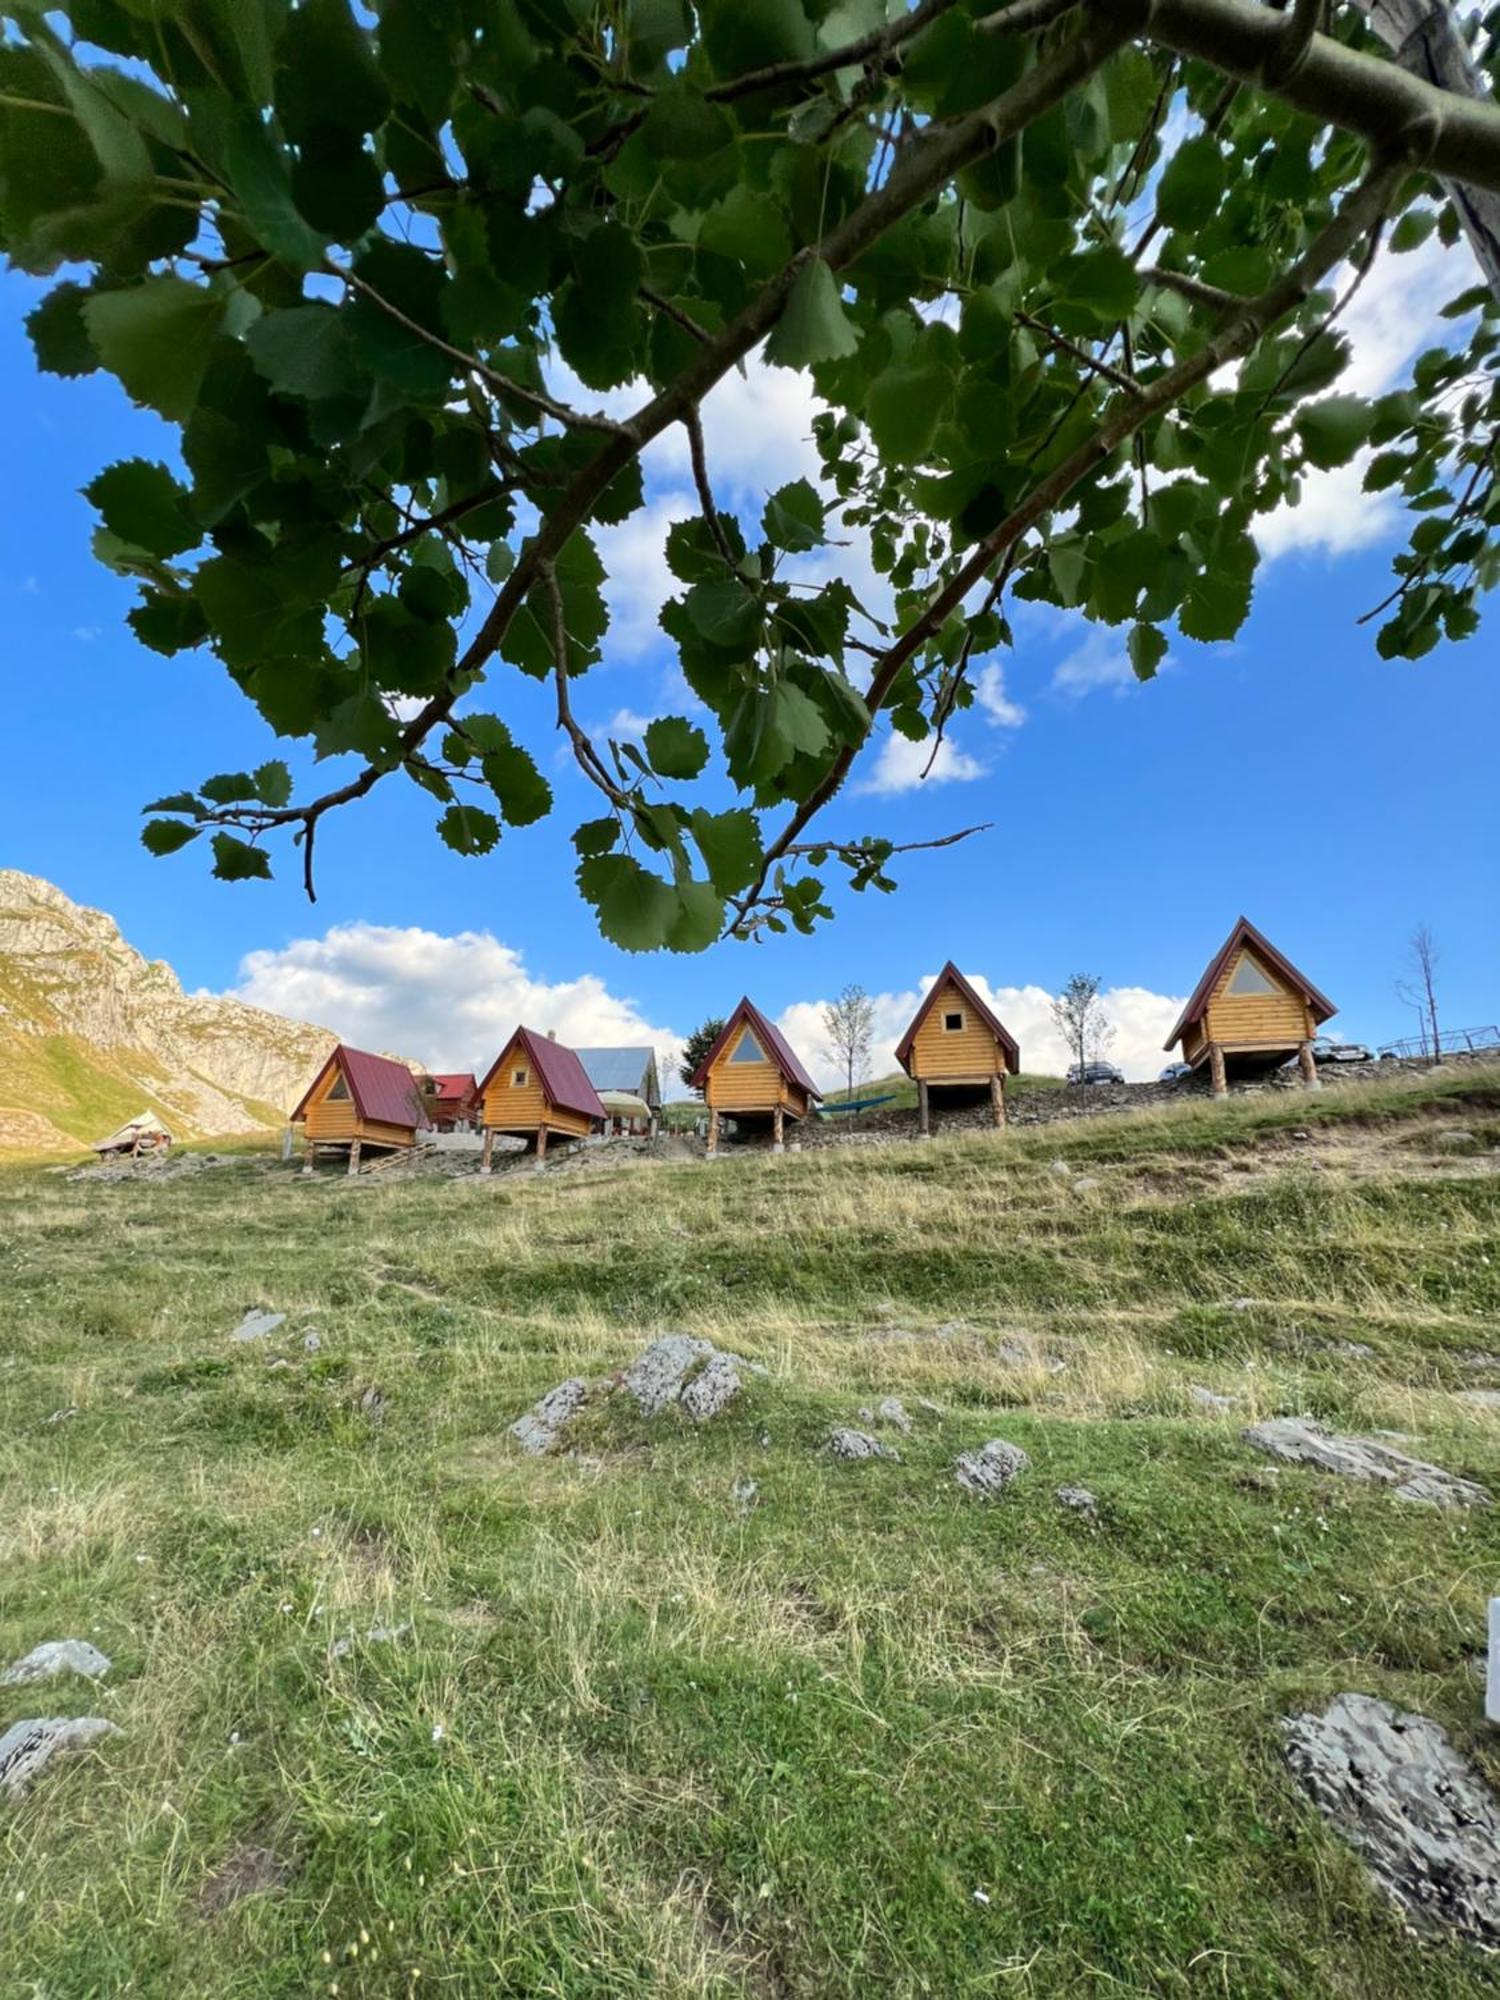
(1424,37)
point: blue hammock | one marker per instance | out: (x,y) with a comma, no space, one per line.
(856,1104)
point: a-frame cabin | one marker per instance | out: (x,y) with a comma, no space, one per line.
(1251,1010)
(957,1046)
(358,1100)
(536,1089)
(752,1074)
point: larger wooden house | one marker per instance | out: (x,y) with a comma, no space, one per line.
(752,1075)
(536,1090)
(1251,1009)
(358,1100)
(956,1046)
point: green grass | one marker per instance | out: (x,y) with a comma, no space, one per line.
(903,1091)
(640,1743)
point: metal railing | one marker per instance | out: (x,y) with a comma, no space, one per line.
(1452,1041)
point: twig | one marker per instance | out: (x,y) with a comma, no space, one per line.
(1191,288)
(1080,354)
(1023,17)
(878,42)
(675,312)
(588,758)
(692,423)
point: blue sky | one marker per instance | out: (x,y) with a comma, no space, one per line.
(1335,798)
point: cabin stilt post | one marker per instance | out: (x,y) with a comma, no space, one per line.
(713,1131)
(1308,1067)
(924,1108)
(1216,1071)
(778,1131)
(354,1156)
(997,1099)
(487,1151)
(541,1145)
(307,1156)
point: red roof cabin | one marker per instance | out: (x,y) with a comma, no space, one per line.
(537,1088)
(955,1045)
(752,1073)
(358,1100)
(1250,1011)
(449,1098)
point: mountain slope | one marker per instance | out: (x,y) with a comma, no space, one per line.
(91,1032)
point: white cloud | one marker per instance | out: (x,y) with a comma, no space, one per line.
(989,692)
(1099,661)
(1141,1020)
(902,766)
(449,1001)
(638,582)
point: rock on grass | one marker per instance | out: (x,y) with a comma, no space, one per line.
(57,1656)
(854,1446)
(991,1469)
(28,1747)
(536,1432)
(1303,1443)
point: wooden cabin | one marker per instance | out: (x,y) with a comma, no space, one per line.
(1251,1010)
(752,1075)
(358,1100)
(537,1089)
(956,1046)
(628,1085)
(449,1097)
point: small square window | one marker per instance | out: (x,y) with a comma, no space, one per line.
(954,1023)
(520,1078)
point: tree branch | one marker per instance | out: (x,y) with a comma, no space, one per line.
(1080,354)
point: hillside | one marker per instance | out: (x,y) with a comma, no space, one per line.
(91,1032)
(698,1711)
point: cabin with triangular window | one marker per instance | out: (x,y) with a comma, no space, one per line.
(537,1090)
(1250,1011)
(956,1047)
(356,1101)
(752,1076)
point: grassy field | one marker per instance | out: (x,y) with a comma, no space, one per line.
(871,1736)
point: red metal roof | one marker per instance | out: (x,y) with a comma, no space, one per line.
(771,1039)
(1244,932)
(950,975)
(384,1091)
(452,1087)
(564,1080)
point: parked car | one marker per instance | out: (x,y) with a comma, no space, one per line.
(1095,1072)
(1175,1073)
(1325,1050)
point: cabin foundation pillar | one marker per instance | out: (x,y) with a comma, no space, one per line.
(1310,1078)
(924,1109)
(712,1141)
(1216,1071)
(541,1146)
(997,1099)
(778,1131)
(354,1156)
(307,1156)
(487,1151)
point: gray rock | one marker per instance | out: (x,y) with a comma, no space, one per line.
(1210,1399)
(991,1469)
(891,1410)
(1479,1399)
(27,1747)
(1061,1169)
(1077,1500)
(1454,1139)
(1421,1819)
(655,1378)
(257,1323)
(1085,1184)
(1304,1443)
(852,1446)
(378,1635)
(312,1342)
(744,1493)
(713,1388)
(57,1656)
(536,1432)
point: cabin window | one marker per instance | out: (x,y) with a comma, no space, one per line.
(340,1089)
(1248,978)
(520,1078)
(954,1023)
(748,1050)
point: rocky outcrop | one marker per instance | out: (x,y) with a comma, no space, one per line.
(1303,1443)
(28,1747)
(991,1469)
(71,984)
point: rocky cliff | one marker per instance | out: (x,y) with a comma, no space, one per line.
(91,1032)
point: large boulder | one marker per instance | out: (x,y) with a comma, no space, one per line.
(991,1469)
(537,1430)
(854,1446)
(1304,1443)
(28,1747)
(658,1373)
(57,1656)
(1422,1820)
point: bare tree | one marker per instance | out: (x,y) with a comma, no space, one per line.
(1420,991)
(1079,1017)
(849,1024)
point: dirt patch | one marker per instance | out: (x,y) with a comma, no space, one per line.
(249,1869)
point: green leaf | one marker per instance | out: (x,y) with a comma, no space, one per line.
(636,908)
(676,749)
(902,410)
(468,830)
(179,802)
(60,334)
(813,326)
(237,861)
(326,78)
(726,614)
(699,919)
(730,844)
(165,836)
(1413,229)
(156,337)
(794,518)
(1192,184)
(1147,648)
(143,504)
(596,836)
(1103,280)
(512,775)
(231,788)
(741,35)
(748,228)
(273,783)
(1333,430)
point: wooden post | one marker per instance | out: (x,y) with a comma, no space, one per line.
(778,1141)
(1308,1067)
(354,1156)
(713,1131)
(997,1099)
(541,1144)
(1216,1070)
(307,1155)
(924,1110)
(487,1150)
